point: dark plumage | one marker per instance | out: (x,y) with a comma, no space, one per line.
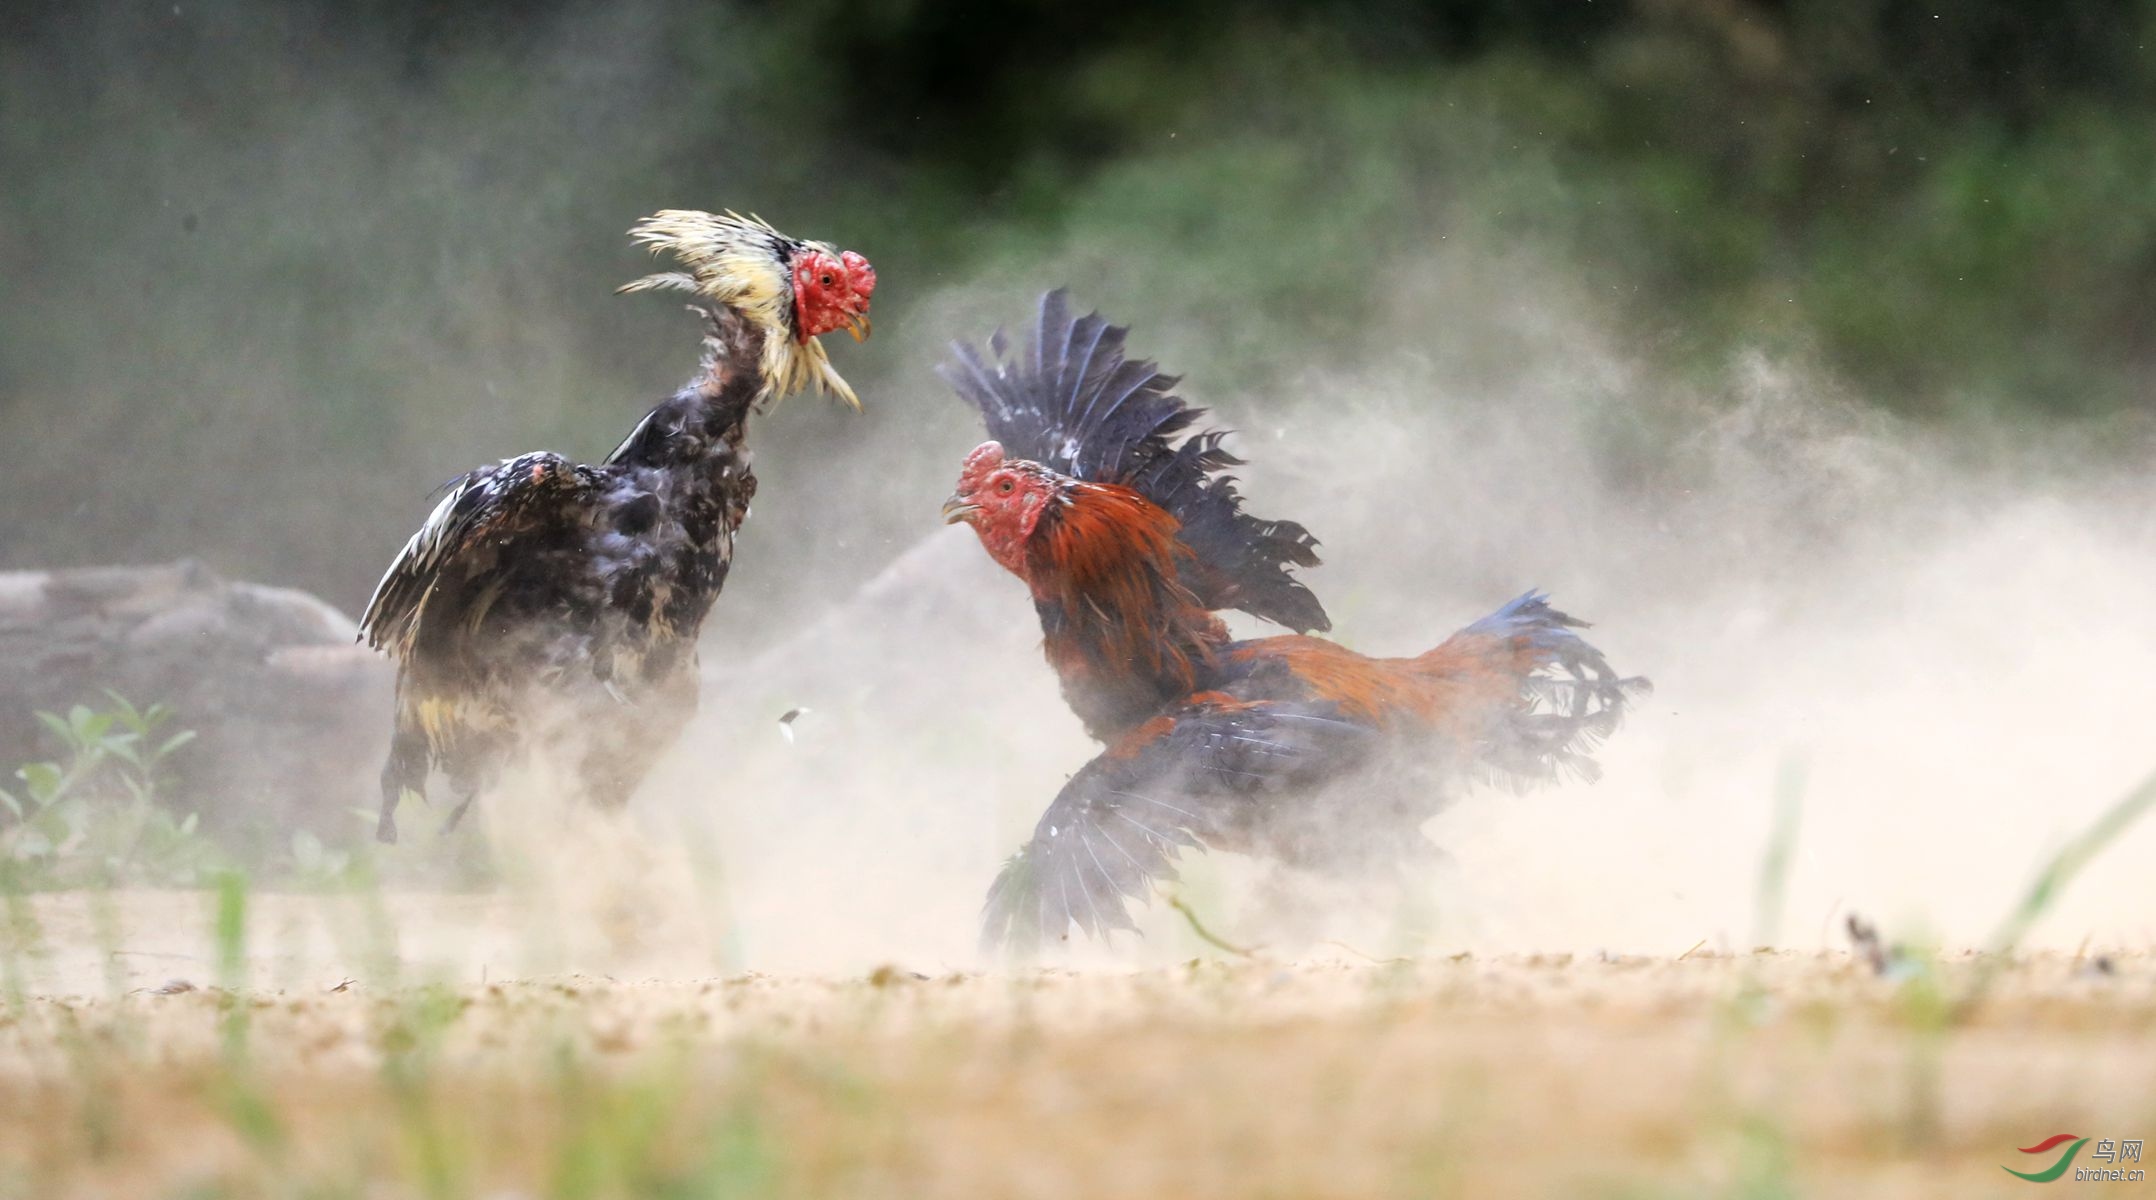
(550,601)
(1303,751)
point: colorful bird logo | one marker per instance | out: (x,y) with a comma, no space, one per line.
(2056,1169)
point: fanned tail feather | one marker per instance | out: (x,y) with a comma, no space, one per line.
(1571,698)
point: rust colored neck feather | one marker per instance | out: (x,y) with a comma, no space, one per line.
(1121,632)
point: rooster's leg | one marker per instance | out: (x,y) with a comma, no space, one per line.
(475,770)
(406,771)
(457,814)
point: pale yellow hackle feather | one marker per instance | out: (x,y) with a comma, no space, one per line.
(736,261)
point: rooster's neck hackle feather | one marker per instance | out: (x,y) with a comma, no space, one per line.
(1071,400)
(705,423)
(742,263)
(1123,632)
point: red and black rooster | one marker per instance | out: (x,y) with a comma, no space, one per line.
(1291,747)
(549,602)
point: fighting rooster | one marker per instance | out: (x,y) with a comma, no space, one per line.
(549,602)
(1291,747)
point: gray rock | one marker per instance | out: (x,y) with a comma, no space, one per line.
(291,714)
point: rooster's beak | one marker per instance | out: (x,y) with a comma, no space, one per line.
(857,325)
(958,508)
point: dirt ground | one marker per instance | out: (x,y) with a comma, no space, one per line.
(134,1075)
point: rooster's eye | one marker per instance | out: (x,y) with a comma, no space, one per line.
(827,279)
(1005,487)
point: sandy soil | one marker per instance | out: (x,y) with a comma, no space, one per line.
(1764,1074)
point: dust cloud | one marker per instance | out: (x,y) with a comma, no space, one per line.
(1943,644)
(1946,635)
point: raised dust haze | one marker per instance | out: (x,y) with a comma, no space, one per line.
(358,282)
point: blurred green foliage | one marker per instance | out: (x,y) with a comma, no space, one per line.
(274,269)
(1950,202)
(93,816)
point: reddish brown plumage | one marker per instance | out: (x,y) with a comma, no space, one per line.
(1102,564)
(1132,743)
(1105,557)
(1442,689)
(1129,533)
(1236,745)
(1122,632)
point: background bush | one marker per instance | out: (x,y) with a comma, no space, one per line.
(273,270)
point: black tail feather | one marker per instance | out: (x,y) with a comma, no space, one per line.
(1574,699)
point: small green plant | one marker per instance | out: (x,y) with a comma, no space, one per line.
(93,815)
(2057,871)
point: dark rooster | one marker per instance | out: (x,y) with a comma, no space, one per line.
(1291,747)
(552,603)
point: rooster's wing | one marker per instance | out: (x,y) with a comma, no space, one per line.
(1183,780)
(532,495)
